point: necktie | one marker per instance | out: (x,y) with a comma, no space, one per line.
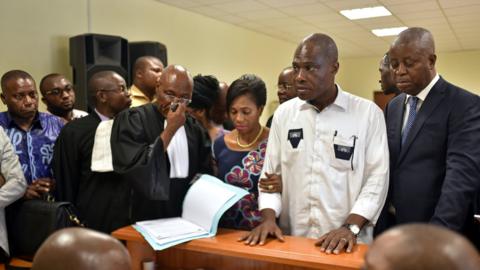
(412,102)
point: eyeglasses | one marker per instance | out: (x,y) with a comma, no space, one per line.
(172,98)
(285,86)
(122,89)
(22,96)
(59,91)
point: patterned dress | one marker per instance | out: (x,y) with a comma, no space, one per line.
(241,169)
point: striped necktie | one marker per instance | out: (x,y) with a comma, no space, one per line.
(412,102)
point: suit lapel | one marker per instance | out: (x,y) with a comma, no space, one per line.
(396,111)
(431,102)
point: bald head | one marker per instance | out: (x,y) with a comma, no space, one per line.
(175,82)
(412,58)
(387,80)
(286,91)
(421,247)
(101,80)
(146,71)
(421,37)
(324,44)
(79,248)
(108,93)
(315,63)
(177,74)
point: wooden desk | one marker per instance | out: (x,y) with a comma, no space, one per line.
(224,252)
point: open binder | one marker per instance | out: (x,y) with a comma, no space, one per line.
(204,204)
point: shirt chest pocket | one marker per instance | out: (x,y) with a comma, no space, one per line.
(342,152)
(295,140)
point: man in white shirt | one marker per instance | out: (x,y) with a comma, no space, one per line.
(330,149)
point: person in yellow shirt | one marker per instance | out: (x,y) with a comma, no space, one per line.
(146,72)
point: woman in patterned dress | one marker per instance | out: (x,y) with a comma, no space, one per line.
(239,155)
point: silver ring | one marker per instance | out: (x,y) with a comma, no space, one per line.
(344,239)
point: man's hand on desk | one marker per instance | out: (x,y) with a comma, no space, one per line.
(261,232)
(336,241)
(344,237)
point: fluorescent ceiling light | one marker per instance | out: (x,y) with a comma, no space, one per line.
(363,13)
(383,32)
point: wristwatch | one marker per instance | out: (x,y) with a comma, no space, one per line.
(354,228)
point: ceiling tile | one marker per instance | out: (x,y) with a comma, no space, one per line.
(240,6)
(326,17)
(281,22)
(229,18)
(208,11)
(453,23)
(469,18)
(456,3)
(350,4)
(264,14)
(380,22)
(310,9)
(286,3)
(420,6)
(463,10)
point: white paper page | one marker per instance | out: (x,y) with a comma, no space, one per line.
(169,229)
(203,201)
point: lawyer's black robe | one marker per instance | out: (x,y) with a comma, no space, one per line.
(138,151)
(102,199)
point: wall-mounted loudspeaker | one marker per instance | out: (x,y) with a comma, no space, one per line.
(90,53)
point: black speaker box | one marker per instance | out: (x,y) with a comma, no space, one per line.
(144,48)
(90,53)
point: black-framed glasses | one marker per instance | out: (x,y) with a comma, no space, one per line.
(121,89)
(59,91)
(173,98)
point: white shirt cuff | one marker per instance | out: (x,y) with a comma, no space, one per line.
(270,200)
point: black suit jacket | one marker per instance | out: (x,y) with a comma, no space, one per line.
(435,175)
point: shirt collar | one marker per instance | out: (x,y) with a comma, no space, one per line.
(341,101)
(102,117)
(424,93)
(136,92)
(38,121)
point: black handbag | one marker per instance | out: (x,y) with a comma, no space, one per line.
(32,221)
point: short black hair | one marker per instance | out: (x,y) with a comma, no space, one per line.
(14,74)
(44,79)
(205,92)
(96,82)
(248,84)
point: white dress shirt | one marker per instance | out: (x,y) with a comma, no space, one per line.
(79,114)
(421,98)
(320,190)
(177,152)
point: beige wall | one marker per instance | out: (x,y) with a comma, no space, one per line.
(360,75)
(37,41)
(35,38)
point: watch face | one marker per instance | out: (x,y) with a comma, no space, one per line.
(354,228)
